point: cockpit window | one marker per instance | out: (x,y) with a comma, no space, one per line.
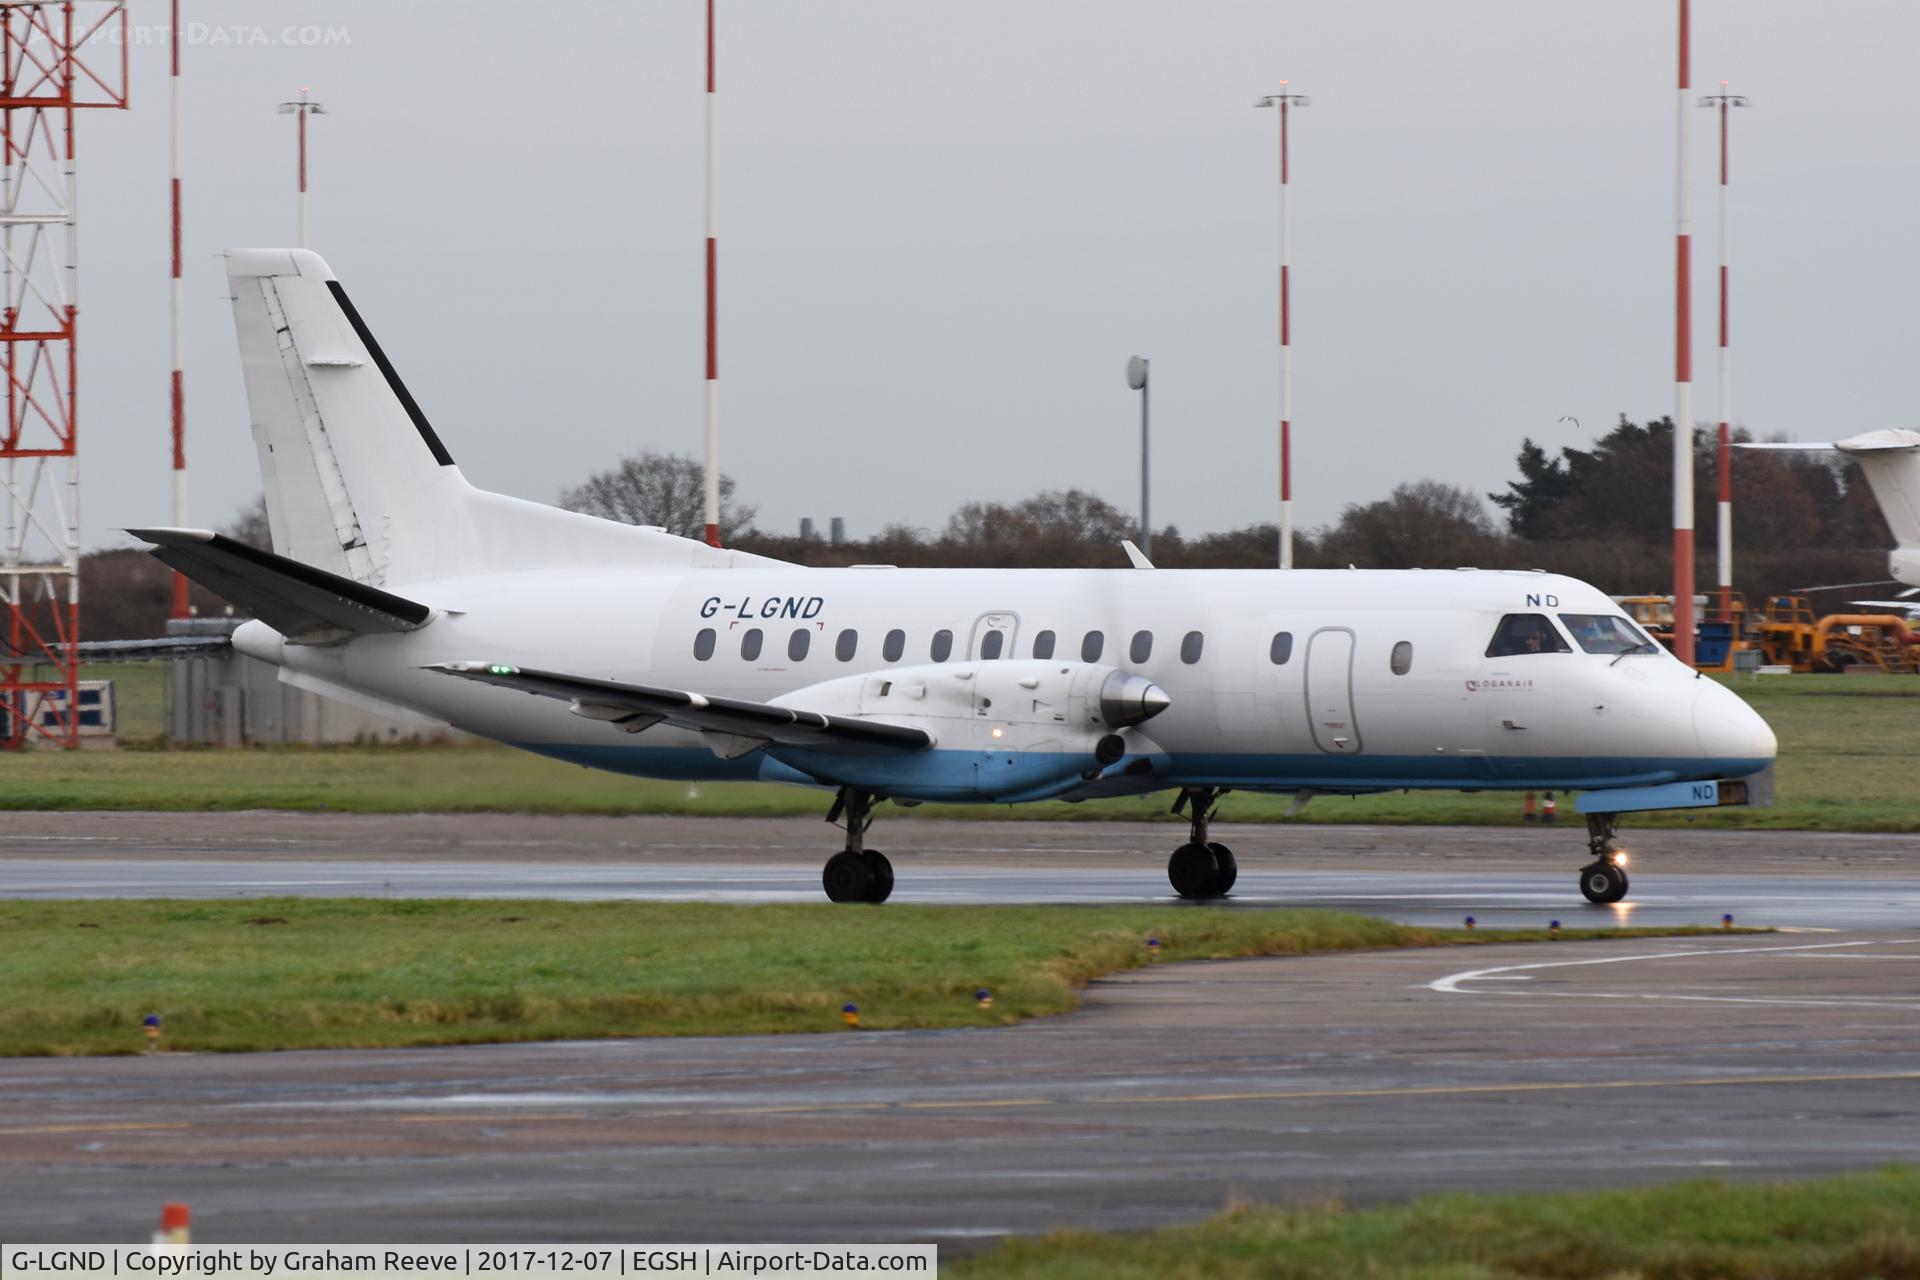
(1525,633)
(1607,633)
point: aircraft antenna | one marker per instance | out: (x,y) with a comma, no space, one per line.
(1723,102)
(1285,101)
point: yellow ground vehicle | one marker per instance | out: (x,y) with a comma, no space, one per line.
(1789,635)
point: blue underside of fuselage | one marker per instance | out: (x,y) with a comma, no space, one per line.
(957,775)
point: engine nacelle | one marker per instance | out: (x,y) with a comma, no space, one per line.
(1003,730)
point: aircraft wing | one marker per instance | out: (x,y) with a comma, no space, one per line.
(734,726)
(1899,606)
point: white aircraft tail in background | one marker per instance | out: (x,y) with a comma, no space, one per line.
(1891,461)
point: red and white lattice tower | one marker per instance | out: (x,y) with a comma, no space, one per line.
(55,58)
(1723,102)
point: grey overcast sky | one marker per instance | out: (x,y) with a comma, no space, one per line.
(944,227)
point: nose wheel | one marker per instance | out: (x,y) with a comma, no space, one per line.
(1201,868)
(1604,880)
(856,873)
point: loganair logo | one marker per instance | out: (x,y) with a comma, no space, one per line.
(1500,683)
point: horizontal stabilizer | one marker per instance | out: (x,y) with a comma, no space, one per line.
(294,599)
(732,723)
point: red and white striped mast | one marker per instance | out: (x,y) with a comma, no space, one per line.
(178,390)
(713,315)
(1723,101)
(1683,373)
(1285,102)
(302,109)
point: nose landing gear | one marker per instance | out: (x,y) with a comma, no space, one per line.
(1201,868)
(1604,880)
(856,873)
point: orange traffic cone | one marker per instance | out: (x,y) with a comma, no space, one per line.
(1528,811)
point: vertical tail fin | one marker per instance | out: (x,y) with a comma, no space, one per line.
(357,481)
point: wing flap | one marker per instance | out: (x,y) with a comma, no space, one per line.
(729,723)
(294,599)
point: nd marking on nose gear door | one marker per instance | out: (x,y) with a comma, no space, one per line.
(1330,691)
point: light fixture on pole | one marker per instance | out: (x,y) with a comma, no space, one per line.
(1285,102)
(1137,379)
(302,109)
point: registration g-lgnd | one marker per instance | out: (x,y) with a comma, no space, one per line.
(395,584)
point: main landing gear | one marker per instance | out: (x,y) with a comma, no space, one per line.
(1200,868)
(856,873)
(1604,880)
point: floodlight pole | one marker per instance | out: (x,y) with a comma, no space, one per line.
(713,318)
(1683,369)
(1285,102)
(177,391)
(301,110)
(1138,379)
(1722,101)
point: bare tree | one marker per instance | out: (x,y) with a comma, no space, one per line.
(1426,524)
(659,489)
(250,525)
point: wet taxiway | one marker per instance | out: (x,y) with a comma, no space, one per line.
(1175,1092)
(1420,875)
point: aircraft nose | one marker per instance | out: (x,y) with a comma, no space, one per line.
(1727,729)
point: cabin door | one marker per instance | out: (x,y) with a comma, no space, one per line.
(1330,691)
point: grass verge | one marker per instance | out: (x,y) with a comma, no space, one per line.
(1846,745)
(1848,1228)
(286,973)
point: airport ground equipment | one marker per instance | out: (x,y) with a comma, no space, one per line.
(1788,634)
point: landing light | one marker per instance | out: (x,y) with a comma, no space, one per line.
(1622,858)
(999,732)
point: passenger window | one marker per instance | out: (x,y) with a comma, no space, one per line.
(1524,633)
(894,645)
(1043,645)
(1142,647)
(703,644)
(797,644)
(843,647)
(1190,646)
(750,644)
(1091,646)
(1402,661)
(942,646)
(1281,649)
(991,644)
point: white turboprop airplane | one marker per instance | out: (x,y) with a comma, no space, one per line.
(395,584)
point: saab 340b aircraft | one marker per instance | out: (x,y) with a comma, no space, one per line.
(395,584)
